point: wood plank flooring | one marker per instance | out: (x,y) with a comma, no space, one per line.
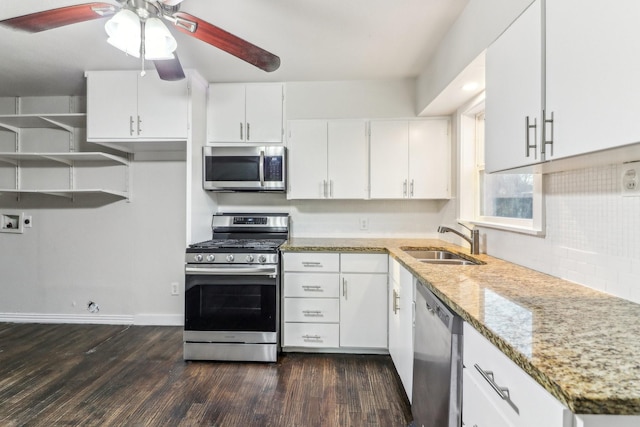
(105,375)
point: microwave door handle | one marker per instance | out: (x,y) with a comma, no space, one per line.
(262,168)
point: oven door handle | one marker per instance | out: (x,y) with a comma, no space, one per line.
(270,271)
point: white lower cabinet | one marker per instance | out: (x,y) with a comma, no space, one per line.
(525,404)
(401,313)
(334,301)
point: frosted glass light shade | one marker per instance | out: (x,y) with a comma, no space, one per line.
(159,43)
(124,33)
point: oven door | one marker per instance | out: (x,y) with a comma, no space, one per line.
(231,304)
(244,168)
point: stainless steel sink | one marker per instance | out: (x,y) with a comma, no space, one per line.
(436,256)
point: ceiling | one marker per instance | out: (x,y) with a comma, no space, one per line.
(315,40)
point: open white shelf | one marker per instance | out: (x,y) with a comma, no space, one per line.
(46,121)
(66,158)
(66,193)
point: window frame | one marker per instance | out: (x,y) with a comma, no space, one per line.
(469,169)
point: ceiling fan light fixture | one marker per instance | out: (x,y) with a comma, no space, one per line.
(124,32)
(159,43)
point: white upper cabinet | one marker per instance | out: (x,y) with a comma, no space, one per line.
(327,159)
(238,112)
(514,94)
(592,83)
(123,106)
(410,159)
(574,83)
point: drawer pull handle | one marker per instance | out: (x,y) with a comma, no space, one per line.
(312,337)
(503,392)
(311,264)
(312,313)
(312,288)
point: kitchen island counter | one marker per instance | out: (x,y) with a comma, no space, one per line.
(580,344)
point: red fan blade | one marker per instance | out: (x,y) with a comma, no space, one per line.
(54,18)
(170,69)
(226,41)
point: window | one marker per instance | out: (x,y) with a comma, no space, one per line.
(511,201)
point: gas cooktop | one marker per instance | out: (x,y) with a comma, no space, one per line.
(223,244)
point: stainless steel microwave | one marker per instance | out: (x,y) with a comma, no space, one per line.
(244,168)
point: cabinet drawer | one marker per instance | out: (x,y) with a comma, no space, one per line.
(311,335)
(311,261)
(364,263)
(478,409)
(531,405)
(313,310)
(310,285)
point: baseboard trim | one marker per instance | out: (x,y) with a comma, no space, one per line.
(158,319)
(98,319)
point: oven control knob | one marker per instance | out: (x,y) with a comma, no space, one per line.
(262,259)
(211,258)
(198,257)
(230,258)
(249,258)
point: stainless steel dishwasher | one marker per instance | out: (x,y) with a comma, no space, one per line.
(437,363)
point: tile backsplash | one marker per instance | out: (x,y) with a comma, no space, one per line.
(592,233)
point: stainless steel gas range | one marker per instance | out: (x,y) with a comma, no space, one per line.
(232,289)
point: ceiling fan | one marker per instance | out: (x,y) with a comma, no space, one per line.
(136,28)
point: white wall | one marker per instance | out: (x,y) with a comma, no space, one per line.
(481,22)
(120,255)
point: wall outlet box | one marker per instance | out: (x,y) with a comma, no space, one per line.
(630,181)
(175,288)
(364,223)
(11,223)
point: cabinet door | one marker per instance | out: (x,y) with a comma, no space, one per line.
(429,159)
(592,74)
(389,146)
(163,108)
(478,410)
(263,112)
(307,153)
(514,92)
(112,105)
(363,308)
(347,160)
(406,309)
(225,113)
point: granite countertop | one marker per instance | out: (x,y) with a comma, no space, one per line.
(581,345)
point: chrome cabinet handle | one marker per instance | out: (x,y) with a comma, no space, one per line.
(139,125)
(344,288)
(308,337)
(404,188)
(411,189)
(324,188)
(312,288)
(546,141)
(503,392)
(312,313)
(396,297)
(131,125)
(248,131)
(241,129)
(527,129)
(331,188)
(315,264)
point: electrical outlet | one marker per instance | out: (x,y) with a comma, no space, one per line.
(28,221)
(175,288)
(631,179)
(364,223)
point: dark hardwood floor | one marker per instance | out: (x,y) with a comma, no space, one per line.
(99,375)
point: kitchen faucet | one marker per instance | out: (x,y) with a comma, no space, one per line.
(474,240)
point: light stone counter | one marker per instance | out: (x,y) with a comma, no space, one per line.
(581,345)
